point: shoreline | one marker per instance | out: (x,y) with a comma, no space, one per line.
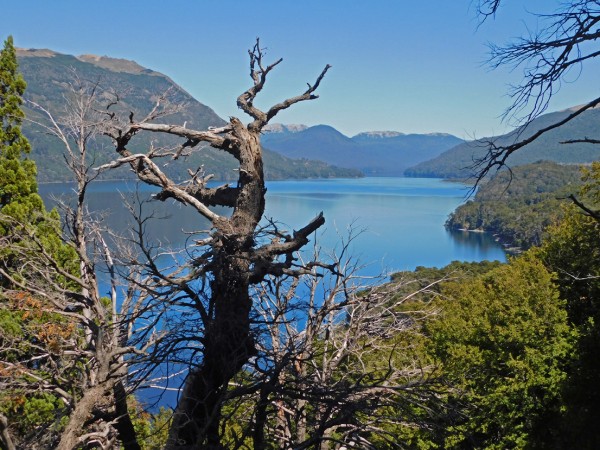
(507,247)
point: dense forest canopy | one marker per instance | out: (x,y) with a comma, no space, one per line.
(518,206)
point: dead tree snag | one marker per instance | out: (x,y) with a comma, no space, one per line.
(232,258)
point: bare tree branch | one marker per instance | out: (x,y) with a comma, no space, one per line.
(5,438)
(588,211)
(259,73)
(585,140)
(313,378)
(546,56)
(153,175)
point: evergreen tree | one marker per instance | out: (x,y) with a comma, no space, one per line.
(503,344)
(28,331)
(20,204)
(572,252)
(18,186)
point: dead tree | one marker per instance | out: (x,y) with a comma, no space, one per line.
(89,367)
(232,259)
(335,358)
(340,373)
(566,43)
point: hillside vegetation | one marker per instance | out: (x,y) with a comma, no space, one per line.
(50,77)
(458,161)
(519,210)
(473,355)
(499,384)
(514,346)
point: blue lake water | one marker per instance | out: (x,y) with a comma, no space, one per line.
(402,219)
(402,223)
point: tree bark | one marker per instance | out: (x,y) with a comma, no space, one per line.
(5,440)
(228,343)
(124,426)
(82,412)
(233,261)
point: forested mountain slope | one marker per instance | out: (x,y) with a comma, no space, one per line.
(458,161)
(51,76)
(519,210)
(376,153)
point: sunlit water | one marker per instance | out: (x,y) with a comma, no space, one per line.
(400,220)
(399,223)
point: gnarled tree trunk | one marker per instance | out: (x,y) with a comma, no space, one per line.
(234,260)
(228,342)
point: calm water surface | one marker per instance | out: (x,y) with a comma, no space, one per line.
(402,219)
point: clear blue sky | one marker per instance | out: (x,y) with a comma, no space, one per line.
(403,65)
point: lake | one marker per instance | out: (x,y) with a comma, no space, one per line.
(402,219)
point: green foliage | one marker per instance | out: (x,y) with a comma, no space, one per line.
(12,86)
(518,211)
(429,275)
(278,167)
(591,187)
(39,409)
(238,412)
(31,344)
(18,186)
(152,429)
(502,343)
(29,413)
(425,283)
(31,337)
(501,346)
(573,253)
(22,211)
(517,344)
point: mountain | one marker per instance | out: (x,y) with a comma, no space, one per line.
(281,128)
(455,162)
(376,153)
(50,75)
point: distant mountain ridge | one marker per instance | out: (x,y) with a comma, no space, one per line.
(50,74)
(456,162)
(284,128)
(377,135)
(376,153)
(105,62)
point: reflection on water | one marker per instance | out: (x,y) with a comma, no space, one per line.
(473,243)
(401,218)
